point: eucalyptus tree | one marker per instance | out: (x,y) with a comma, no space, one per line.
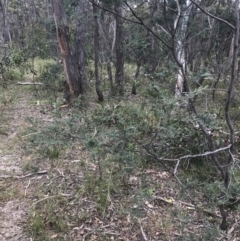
(73,56)
(5,35)
(106,42)
(119,75)
(96,52)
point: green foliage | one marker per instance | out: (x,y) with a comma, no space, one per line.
(51,75)
(5,99)
(124,136)
(37,225)
(58,136)
(37,45)
(18,57)
(7,71)
(47,219)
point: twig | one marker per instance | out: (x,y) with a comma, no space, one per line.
(187,204)
(43,199)
(176,167)
(140,21)
(61,173)
(209,212)
(204,154)
(196,155)
(142,231)
(227,133)
(163,199)
(212,16)
(22,177)
(25,193)
(113,12)
(232,228)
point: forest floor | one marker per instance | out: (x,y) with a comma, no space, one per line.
(15,176)
(13,201)
(62,199)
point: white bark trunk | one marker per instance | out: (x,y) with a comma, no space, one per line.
(180,28)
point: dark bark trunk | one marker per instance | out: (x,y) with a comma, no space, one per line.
(228,116)
(96,50)
(134,87)
(119,76)
(80,46)
(152,48)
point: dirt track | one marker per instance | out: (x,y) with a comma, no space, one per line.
(13,199)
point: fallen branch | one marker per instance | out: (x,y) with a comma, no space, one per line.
(29,83)
(142,231)
(163,199)
(25,193)
(41,200)
(21,177)
(199,155)
(187,204)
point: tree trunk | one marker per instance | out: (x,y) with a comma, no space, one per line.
(153,63)
(232,83)
(107,47)
(96,50)
(119,76)
(72,71)
(5,31)
(134,87)
(80,46)
(179,51)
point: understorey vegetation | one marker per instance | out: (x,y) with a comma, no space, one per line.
(141,156)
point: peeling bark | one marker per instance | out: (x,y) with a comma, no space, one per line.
(73,70)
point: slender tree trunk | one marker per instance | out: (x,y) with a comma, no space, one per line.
(47,9)
(2,21)
(179,51)
(4,32)
(228,117)
(80,46)
(107,45)
(134,87)
(153,47)
(119,76)
(96,50)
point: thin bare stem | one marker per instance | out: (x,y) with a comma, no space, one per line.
(213,16)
